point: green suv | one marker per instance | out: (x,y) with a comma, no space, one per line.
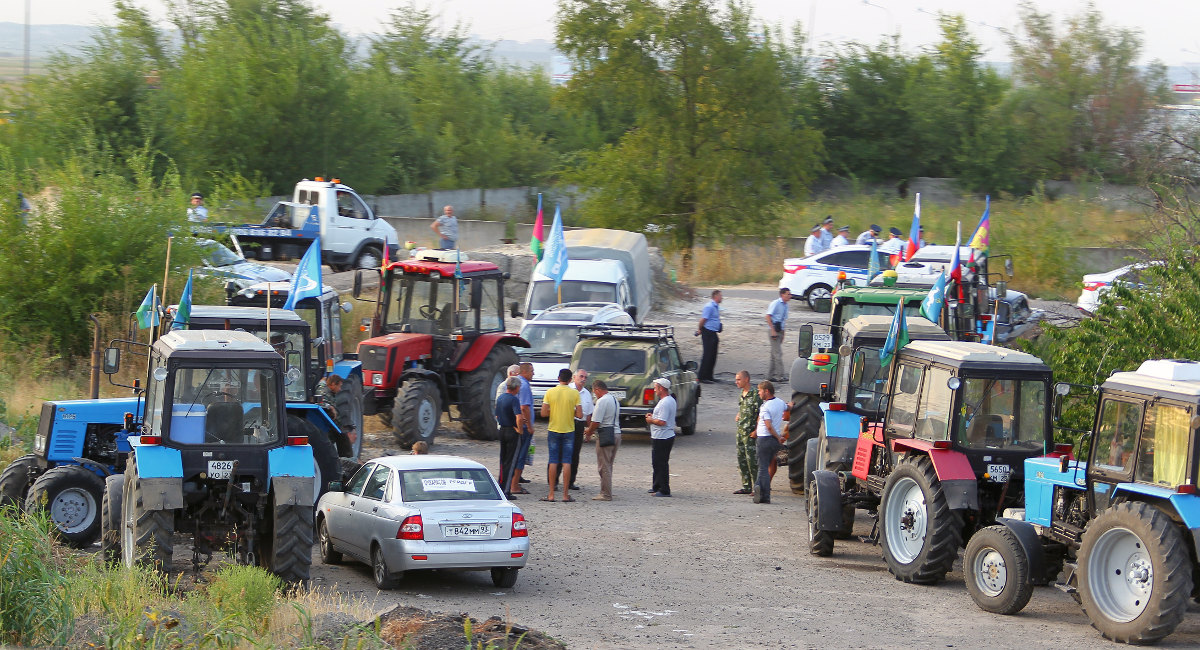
(629,358)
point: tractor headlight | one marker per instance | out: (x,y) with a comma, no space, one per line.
(39,443)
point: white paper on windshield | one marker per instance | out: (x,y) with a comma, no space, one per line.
(448,484)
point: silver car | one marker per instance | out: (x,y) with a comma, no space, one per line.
(407,513)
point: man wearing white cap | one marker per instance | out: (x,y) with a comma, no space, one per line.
(840,239)
(662,438)
(813,244)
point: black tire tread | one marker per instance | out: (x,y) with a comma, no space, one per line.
(1019,589)
(110,518)
(820,542)
(688,425)
(53,482)
(944,533)
(804,422)
(504,577)
(479,422)
(14,481)
(328,556)
(153,530)
(407,408)
(292,541)
(1172,600)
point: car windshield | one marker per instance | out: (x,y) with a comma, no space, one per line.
(217,255)
(222,405)
(1002,413)
(860,309)
(555,339)
(447,485)
(544,294)
(613,361)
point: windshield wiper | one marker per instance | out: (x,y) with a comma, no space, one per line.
(627,367)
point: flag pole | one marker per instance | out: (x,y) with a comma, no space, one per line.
(166,270)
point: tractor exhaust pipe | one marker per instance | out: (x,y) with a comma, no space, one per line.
(95,379)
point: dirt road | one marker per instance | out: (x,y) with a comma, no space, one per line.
(706,568)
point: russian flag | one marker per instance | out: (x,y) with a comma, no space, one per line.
(914,233)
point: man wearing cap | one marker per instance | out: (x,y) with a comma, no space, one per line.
(894,244)
(812,245)
(865,238)
(840,239)
(776,317)
(827,232)
(662,438)
(197,213)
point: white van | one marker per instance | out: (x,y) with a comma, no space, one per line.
(552,335)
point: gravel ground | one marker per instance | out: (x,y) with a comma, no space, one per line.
(706,568)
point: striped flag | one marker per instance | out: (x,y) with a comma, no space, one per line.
(914,232)
(537,243)
(979,238)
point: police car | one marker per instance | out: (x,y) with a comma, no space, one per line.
(815,277)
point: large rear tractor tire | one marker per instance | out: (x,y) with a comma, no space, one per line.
(110,518)
(1135,575)
(70,495)
(289,548)
(16,479)
(478,393)
(417,412)
(996,571)
(919,532)
(147,536)
(326,464)
(804,421)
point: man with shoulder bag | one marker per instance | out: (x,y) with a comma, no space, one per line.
(605,425)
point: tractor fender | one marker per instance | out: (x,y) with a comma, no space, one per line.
(829,500)
(482,347)
(101,470)
(958,480)
(292,490)
(1030,542)
(803,380)
(164,493)
(347,368)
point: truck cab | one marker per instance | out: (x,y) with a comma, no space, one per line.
(585,281)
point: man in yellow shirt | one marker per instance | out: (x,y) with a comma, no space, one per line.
(561,406)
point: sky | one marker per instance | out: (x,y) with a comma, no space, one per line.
(1168,27)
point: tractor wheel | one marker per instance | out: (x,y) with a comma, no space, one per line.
(1135,575)
(110,518)
(417,412)
(847,529)
(371,257)
(820,542)
(15,480)
(996,571)
(479,393)
(810,460)
(70,495)
(804,421)
(289,546)
(356,404)
(329,554)
(146,535)
(326,464)
(687,425)
(920,533)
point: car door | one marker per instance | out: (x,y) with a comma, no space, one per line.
(339,507)
(347,221)
(371,518)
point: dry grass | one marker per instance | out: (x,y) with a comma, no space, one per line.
(730,265)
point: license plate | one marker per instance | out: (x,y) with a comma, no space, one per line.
(823,341)
(220,469)
(999,473)
(467,530)
(619,394)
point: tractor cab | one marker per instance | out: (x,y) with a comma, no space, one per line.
(860,380)
(323,314)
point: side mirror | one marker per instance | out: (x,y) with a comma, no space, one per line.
(1008,267)
(691,365)
(822,305)
(1002,288)
(346,307)
(357,290)
(335,486)
(112,360)
(1062,464)
(230,292)
(805,347)
(514,310)
(128,422)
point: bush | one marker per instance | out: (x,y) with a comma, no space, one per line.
(35,608)
(246,594)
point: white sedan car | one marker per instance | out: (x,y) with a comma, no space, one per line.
(1095,285)
(815,276)
(407,513)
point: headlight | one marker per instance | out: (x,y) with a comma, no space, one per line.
(39,443)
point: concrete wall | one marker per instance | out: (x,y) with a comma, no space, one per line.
(481,204)
(472,233)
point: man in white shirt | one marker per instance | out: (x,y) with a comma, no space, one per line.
(197,213)
(894,244)
(769,437)
(840,239)
(662,437)
(776,317)
(813,244)
(606,413)
(865,238)
(585,402)
(827,232)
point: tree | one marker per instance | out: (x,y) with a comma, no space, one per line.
(714,134)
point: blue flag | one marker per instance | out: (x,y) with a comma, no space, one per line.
(897,336)
(184,314)
(306,283)
(873,262)
(931,306)
(554,261)
(147,313)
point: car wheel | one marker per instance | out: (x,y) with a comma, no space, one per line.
(817,291)
(504,577)
(329,555)
(384,579)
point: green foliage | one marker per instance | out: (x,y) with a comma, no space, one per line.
(34,605)
(245,592)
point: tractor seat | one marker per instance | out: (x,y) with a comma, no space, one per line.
(223,422)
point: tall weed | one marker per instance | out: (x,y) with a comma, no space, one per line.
(35,603)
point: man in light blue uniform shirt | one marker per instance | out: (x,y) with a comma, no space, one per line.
(776,317)
(709,327)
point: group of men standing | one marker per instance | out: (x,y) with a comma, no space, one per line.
(823,238)
(710,326)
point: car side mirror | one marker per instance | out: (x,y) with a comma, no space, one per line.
(805,347)
(691,366)
(1008,267)
(513,310)
(112,360)
(822,305)
(358,282)
(1001,288)
(336,486)
(346,307)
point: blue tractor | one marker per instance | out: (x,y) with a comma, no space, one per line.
(1125,523)
(215,458)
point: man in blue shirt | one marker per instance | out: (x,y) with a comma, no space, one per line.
(525,399)
(508,416)
(776,317)
(709,327)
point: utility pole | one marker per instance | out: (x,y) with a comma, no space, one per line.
(25,81)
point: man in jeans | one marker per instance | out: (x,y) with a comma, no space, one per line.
(606,413)
(561,406)
(769,438)
(508,416)
(662,437)
(526,438)
(776,317)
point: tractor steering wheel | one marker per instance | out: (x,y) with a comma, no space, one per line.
(430,312)
(213,395)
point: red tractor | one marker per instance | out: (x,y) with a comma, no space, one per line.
(438,341)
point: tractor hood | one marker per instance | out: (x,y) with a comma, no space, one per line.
(385,357)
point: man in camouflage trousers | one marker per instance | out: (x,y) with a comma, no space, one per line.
(747,418)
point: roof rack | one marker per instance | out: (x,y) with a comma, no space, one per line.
(638,332)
